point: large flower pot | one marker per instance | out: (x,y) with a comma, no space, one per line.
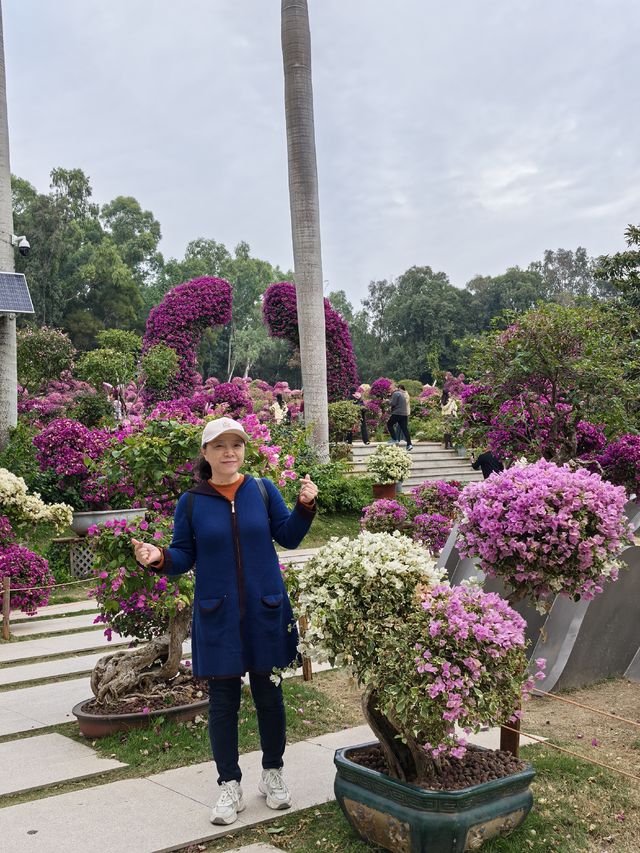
(82,521)
(406,819)
(99,725)
(384,490)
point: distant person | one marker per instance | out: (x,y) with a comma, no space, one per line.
(355,396)
(448,410)
(399,415)
(279,409)
(488,463)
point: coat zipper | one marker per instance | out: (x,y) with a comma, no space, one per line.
(239,572)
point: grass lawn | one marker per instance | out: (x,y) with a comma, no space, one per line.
(326,526)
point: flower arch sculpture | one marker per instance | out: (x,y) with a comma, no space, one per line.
(279,309)
(178,322)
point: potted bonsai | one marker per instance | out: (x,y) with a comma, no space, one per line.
(131,686)
(388,465)
(435,662)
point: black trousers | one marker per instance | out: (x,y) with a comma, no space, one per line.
(224,704)
(403,423)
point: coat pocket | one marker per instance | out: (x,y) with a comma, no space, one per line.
(272,601)
(210,605)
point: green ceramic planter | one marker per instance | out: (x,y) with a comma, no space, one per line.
(403,818)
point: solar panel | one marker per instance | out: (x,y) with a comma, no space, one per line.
(14,294)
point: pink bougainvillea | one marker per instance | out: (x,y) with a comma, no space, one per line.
(279,308)
(179,320)
(620,462)
(25,569)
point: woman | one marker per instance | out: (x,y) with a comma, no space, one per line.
(279,409)
(242,617)
(448,410)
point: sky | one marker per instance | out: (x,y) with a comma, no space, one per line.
(469,136)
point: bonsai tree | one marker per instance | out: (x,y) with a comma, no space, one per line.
(545,529)
(429,656)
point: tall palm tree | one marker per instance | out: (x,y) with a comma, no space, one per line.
(305,216)
(8,374)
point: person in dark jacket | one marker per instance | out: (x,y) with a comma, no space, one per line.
(355,396)
(242,617)
(399,415)
(488,463)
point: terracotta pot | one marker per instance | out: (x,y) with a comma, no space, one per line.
(384,490)
(100,725)
(403,818)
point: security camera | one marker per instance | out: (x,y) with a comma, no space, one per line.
(24,246)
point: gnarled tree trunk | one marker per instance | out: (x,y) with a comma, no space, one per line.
(406,757)
(122,673)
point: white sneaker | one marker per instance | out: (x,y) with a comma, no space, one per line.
(273,786)
(229,803)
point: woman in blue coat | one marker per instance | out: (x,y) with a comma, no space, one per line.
(242,617)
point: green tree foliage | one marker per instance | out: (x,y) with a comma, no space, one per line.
(159,366)
(516,290)
(121,340)
(106,365)
(622,270)
(567,276)
(42,355)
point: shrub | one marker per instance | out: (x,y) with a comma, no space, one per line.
(432,531)
(92,410)
(437,496)
(26,570)
(384,516)
(236,397)
(545,529)
(621,463)
(412,386)
(29,516)
(388,464)
(344,417)
(120,340)
(159,367)
(110,366)
(42,354)
(381,388)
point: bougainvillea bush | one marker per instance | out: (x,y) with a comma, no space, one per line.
(437,496)
(31,518)
(388,464)
(620,463)
(280,312)
(429,656)
(432,530)
(384,516)
(545,529)
(26,570)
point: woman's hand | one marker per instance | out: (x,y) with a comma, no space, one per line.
(308,490)
(146,553)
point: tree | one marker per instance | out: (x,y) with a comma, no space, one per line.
(622,270)
(568,275)
(339,301)
(516,290)
(305,215)
(136,233)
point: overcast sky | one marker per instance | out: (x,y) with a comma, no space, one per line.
(468,135)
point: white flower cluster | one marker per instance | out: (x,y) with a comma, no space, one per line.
(23,508)
(351,581)
(389,464)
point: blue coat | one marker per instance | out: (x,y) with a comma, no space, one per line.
(242,617)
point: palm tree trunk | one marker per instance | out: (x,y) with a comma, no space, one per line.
(8,369)
(305,216)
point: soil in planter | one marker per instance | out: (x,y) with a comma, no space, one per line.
(477,766)
(184,689)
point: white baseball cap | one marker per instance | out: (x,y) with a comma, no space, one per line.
(217,427)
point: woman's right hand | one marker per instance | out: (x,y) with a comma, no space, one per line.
(146,553)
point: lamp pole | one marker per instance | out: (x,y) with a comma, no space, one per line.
(8,366)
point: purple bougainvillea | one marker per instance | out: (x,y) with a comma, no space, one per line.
(279,309)
(236,396)
(381,388)
(432,531)
(621,463)
(178,322)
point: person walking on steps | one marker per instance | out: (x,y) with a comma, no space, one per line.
(355,396)
(448,409)
(399,415)
(242,617)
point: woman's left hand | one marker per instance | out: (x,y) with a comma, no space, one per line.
(308,490)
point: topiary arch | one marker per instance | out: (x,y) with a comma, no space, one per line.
(190,308)
(279,309)
(179,321)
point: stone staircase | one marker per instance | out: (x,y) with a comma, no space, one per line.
(430,462)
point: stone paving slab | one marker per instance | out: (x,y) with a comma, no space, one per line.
(57,609)
(47,669)
(46,760)
(80,642)
(51,626)
(46,705)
